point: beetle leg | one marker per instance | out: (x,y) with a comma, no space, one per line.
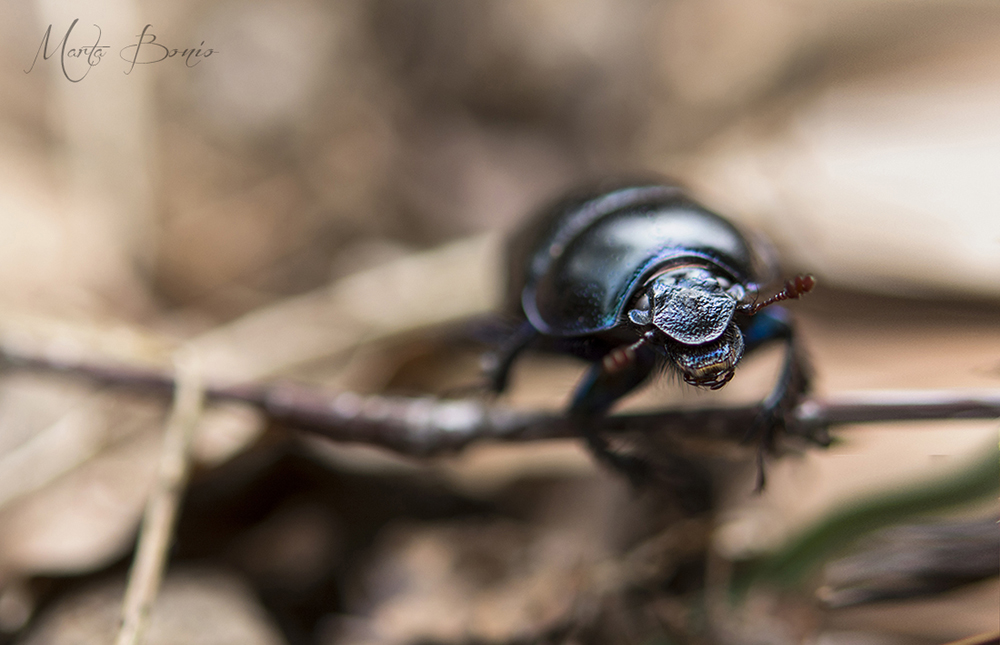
(497,364)
(637,470)
(775,409)
(770,325)
(619,372)
(792,383)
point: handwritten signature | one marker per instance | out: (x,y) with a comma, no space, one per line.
(145,51)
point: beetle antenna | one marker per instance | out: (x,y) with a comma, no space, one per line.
(794,288)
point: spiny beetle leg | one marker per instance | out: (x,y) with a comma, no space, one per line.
(792,383)
(614,376)
(637,470)
(618,373)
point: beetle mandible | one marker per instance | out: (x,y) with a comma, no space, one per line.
(637,276)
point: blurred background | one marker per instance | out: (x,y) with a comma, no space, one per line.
(325,191)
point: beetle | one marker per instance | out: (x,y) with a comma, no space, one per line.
(637,277)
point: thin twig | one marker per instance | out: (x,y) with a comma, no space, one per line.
(157,529)
(424,426)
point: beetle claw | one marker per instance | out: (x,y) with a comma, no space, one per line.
(770,420)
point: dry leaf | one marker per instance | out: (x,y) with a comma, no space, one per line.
(195,607)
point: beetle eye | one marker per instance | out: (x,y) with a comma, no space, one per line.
(640,314)
(641,317)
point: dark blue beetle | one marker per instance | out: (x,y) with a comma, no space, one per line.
(637,276)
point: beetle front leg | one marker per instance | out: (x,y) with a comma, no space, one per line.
(615,375)
(619,372)
(792,383)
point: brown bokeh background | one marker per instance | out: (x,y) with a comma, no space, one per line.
(328,188)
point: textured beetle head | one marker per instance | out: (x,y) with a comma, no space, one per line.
(691,310)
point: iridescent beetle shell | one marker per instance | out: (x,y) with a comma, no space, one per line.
(578,269)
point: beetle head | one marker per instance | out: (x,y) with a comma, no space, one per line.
(687,313)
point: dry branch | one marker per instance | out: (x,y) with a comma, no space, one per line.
(428,426)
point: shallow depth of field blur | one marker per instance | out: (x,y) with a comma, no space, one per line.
(323,199)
